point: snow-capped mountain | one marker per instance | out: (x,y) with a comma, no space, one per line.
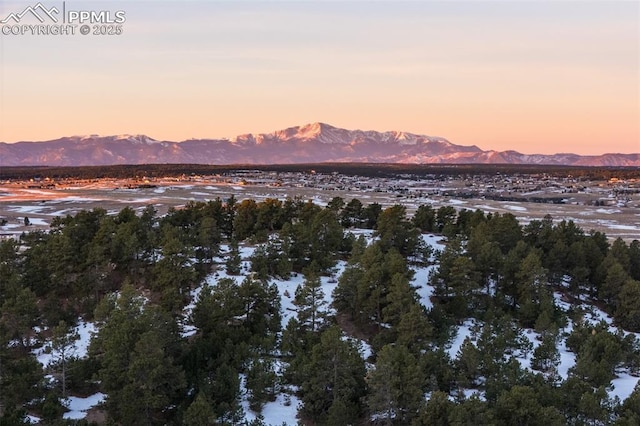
(311,143)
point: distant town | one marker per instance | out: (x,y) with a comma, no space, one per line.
(604,202)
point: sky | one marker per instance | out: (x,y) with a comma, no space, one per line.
(533,76)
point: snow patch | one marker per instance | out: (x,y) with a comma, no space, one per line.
(78,407)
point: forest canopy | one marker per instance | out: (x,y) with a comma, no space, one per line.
(195,323)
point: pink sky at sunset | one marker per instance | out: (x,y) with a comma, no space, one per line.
(535,76)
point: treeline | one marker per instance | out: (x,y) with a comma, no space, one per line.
(373,170)
(166,356)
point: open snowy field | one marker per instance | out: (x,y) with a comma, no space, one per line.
(42,205)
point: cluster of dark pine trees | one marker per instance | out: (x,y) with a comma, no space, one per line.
(133,275)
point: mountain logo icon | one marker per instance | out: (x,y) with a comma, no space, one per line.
(39,11)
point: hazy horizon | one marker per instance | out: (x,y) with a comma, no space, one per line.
(538,77)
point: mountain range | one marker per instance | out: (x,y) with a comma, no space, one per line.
(311,143)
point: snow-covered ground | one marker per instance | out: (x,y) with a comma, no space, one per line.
(281,411)
(420,280)
(287,291)
(608,211)
(624,384)
(366,233)
(485,207)
(421,274)
(462,333)
(567,358)
(515,207)
(25,209)
(534,340)
(456,202)
(78,407)
(46,356)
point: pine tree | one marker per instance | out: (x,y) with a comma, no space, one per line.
(531,285)
(424,218)
(173,275)
(445,217)
(245,219)
(21,382)
(615,279)
(628,311)
(200,412)
(468,363)
(334,375)
(395,231)
(18,316)
(136,349)
(634,259)
(630,409)
(400,299)
(436,411)
(153,381)
(261,382)
(520,406)
(233,260)
(325,237)
(546,357)
(463,281)
(351,214)
(595,406)
(310,303)
(486,254)
(261,264)
(336,204)
(260,316)
(63,347)
(598,356)
(370,215)
(414,329)
(620,252)
(209,239)
(472,411)
(9,268)
(395,386)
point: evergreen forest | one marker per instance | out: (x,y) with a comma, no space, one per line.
(348,313)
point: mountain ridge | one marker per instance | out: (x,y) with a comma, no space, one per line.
(314,142)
